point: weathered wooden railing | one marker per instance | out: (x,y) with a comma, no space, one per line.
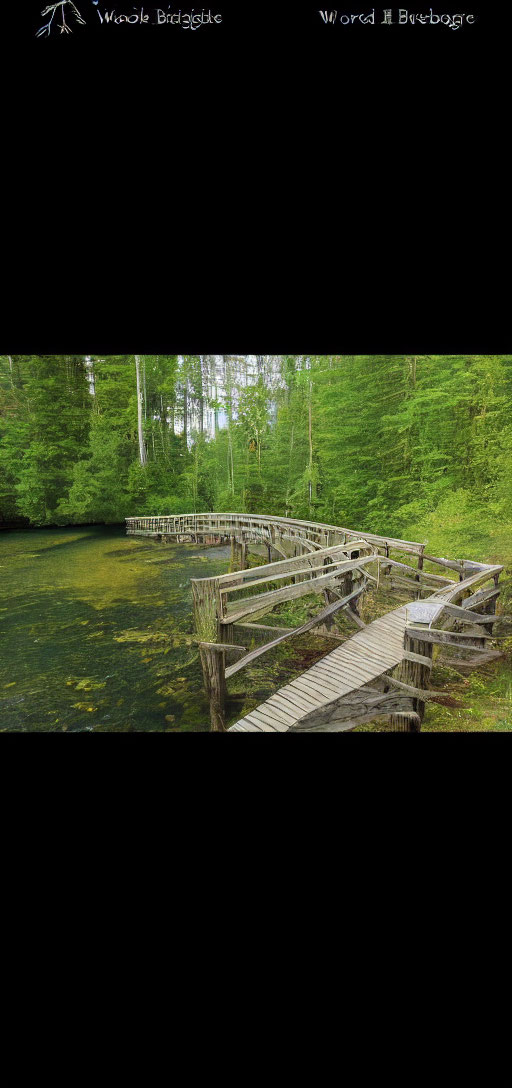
(338,563)
(266,527)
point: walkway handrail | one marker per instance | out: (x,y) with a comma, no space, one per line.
(332,561)
(202,522)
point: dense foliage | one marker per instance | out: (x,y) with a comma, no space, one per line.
(395,444)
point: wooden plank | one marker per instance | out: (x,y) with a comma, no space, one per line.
(350,666)
(287,719)
(459,588)
(266,627)
(366,654)
(342,686)
(313,571)
(420,659)
(288,593)
(289,705)
(275,713)
(375,652)
(256,719)
(311,689)
(291,689)
(469,663)
(378,637)
(420,575)
(351,681)
(435,634)
(342,673)
(387,644)
(302,703)
(296,631)
(348,714)
(251,721)
(417,693)
(231,646)
(319,681)
(289,564)
(271,721)
(465,615)
(481,597)
(453,564)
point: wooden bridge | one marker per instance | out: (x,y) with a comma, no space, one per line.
(381,671)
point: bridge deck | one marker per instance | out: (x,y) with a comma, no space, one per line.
(362,658)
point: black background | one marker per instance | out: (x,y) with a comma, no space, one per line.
(271,184)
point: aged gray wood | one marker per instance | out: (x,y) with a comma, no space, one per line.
(433,634)
(465,615)
(265,627)
(239,609)
(481,597)
(329,611)
(360,662)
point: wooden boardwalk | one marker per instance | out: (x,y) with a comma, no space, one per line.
(364,657)
(382,671)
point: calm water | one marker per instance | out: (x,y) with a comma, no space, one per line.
(96,631)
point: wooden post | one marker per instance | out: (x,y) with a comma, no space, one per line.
(417,576)
(352,581)
(233,553)
(489,608)
(226,633)
(243,555)
(213,661)
(417,674)
(206,607)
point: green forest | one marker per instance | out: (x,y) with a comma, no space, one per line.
(415,446)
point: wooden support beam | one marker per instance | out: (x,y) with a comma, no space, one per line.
(315,559)
(243,555)
(356,708)
(314,571)
(265,627)
(329,611)
(479,598)
(213,662)
(450,638)
(244,607)
(413,672)
(232,649)
(418,693)
(465,615)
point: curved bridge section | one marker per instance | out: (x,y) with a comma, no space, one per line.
(383,670)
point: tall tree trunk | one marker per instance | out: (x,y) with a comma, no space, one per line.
(185,412)
(310,435)
(201,394)
(142,448)
(288,484)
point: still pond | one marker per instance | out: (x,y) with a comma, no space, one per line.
(97,632)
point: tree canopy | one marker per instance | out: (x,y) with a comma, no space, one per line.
(383,443)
